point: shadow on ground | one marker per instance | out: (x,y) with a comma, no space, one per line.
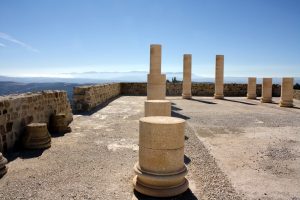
(176,114)
(97,108)
(187,195)
(24,154)
(201,101)
(242,102)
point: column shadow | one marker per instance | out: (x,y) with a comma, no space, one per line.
(242,102)
(187,195)
(202,101)
(176,114)
(24,154)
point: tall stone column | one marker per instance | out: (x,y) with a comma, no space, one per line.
(287,92)
(161,171)
(187,77)
(251,88)
(219,77)
(266,94)
(156,85)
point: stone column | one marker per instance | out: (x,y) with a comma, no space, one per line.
(161,171)
(3,168)
(187,77)
(37,136)
(251,89)
(156,86)
(219,77)
(157,108)
(266,94)
(287,92)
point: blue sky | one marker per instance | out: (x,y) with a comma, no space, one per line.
(50,37)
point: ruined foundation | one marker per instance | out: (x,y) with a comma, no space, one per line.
(156,82)
(3,168)
(287,92)
(187,77)
(266,95)
(37,136)
(251,88)
(219,77)
(157,108)
(161,171)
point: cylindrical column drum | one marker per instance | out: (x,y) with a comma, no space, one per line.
(287,92)
(219,77)
(161,171)
(266,94)
(157,108)
(59,123)
(156,87)
(187,77)
(37,136)
(3,168)
(251,88)
(155,59)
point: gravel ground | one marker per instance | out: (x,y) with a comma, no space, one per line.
(95,160)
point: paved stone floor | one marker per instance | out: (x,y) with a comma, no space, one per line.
(234,149)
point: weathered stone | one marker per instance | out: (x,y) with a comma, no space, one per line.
(161,171)
(266,90)
(157,108)
(37,136)
(219,77)
(59,123)
(156,82)
(251,89)
(287,92)
(3,168)
(187,77)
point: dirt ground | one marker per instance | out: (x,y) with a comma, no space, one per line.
(234,149)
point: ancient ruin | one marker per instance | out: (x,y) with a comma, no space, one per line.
(156,82)
(251,89)
(157,108)
(3,168)
(266,96)
(287,92)
(219,77)
(187,77)
(160,171)
(59,123)
(37,136)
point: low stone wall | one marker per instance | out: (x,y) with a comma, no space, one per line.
(85,98)
(198,89)
(297,94)
(16,111)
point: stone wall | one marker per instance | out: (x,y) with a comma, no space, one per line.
(198,89)
(16,111)
(85,98)
(297,94)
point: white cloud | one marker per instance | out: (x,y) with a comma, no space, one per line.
(9,38)
(2,45)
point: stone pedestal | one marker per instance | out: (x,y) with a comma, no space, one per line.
(161,171)
(3,168)
(157,108)
(37,136)
(156,82)
(59,123)
(251,89)
(187,77)
(287,92)
(219,77)
(266,94)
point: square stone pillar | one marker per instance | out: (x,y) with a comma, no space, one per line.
(187,77)
(219,77)
(156,82)
(287,92)
(251,88)
(266,94)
